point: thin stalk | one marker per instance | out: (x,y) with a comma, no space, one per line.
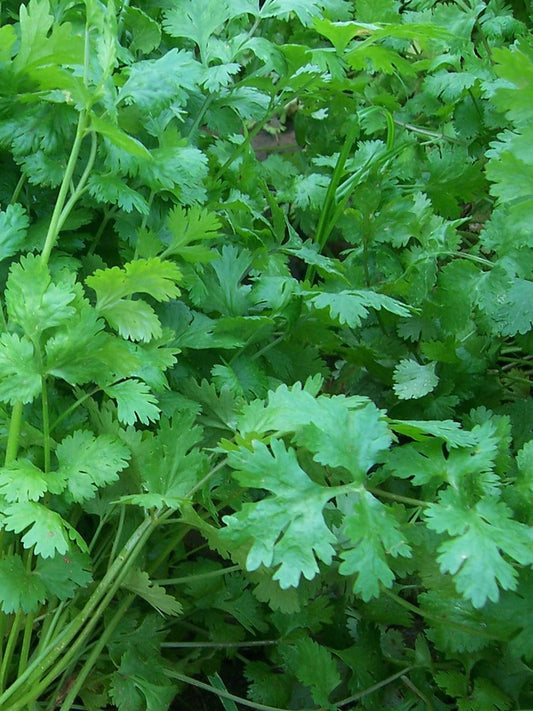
(53,228)
(96,651)
(397,497)
(75,405)
(220,692)
(441,620)
(220,645)
(82,625)
(200,576)
(49,626)
(425,132)
(18,189)
(201,113)
(375,687)
(10,647)
(121,517)
(209,474)
(80,187)
(46,424)
(14,433)
(26,643)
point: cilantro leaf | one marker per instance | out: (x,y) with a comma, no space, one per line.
(23,481)
(314,666)
(87,461)
(351,307)
(480,535)
(139,582)
(64,574)
(412,380)
(47,531)
(375,534)
(134,319)
(134,401)
(287,531)
(343,437)
(188,227)
(20,589)
(33,301)
(20,378)
(13,229)
(154,84)
(169,462)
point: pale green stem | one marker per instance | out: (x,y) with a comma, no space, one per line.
(10,647)
(55,221)
(221,692)
(35,679)
(375,687)
(201,576)
(14,433)
(441,620)
(96,651)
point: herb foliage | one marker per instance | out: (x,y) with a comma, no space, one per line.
(267,298)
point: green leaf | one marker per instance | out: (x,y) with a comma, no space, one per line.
(20,379)
(134,319)
(314,666)
(196,21)
(139,583)
(481,534)
(412,380)
(119,138)
(20,589)
(149,276)
(13,228)
(170,462)
(64,574)
(145,32)
(87,462)
(305,10)
(375,535)
(47,532)
(187,227)
(33,301)
(134,401)
(40,47)
(351,307)
(23,481)
(341,437)
(154,84)
(287,531)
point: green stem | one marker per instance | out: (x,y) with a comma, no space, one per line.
(26,643)
(430,134)
(220,692)
(55,221)
(32,682)
(18,189)
(75,405)
(80,187)
(10,647)
(201,576)
(116,540)
(220,645)
(375,687)
(397,497)
(441,620)
(46,424)
(14,433)
(96,651)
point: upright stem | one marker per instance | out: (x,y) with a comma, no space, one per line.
(55,221)
(14,433)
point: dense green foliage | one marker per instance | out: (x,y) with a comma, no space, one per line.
(267,298)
